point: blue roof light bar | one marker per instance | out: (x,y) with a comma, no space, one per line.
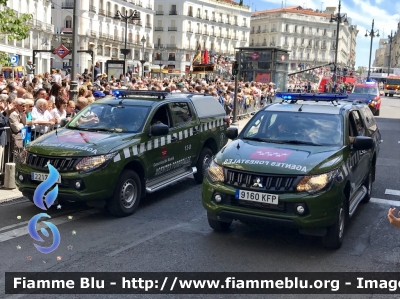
(124,93)
(317,97)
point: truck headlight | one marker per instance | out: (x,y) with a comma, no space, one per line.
(315,183)
(93,162)
(215,172)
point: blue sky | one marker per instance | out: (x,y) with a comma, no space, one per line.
(386,14)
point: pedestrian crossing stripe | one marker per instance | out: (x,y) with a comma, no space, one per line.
(162,141)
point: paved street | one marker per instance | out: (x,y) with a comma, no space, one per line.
(169,232)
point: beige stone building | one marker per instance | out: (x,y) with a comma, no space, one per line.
(307,33)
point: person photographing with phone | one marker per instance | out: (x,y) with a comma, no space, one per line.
(395,221)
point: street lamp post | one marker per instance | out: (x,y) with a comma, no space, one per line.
(134,16)
(142,61)
(337,18)
(372,34)
(390,40)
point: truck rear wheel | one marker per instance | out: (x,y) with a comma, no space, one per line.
(127,193)
(368,185)
(202,164)
(334,236)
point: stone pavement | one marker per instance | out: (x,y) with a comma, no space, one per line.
(11,194)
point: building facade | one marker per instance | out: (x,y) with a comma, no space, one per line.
(39,37)
(395,55)
(381,54)
(307,34)
(99,31)
(180,26)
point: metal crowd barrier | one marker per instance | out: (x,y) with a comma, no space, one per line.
(246,111)
(9,151)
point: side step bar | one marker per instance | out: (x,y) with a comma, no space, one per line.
(163,184)
(356,199)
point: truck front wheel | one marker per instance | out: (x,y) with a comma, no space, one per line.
(127,193)
(202,164)
(334,236)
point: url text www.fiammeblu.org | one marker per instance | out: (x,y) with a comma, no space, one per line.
(232,283)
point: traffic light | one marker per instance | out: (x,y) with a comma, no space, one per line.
(235,68)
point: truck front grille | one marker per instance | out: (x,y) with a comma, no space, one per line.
(60,163)
(260,181)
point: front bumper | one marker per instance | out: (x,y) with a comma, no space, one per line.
(74,186)
(320,209)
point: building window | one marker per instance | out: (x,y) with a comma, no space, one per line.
(287,27)
(171,56)
(68,22)
(324,32)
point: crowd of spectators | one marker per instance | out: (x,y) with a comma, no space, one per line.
(40,102)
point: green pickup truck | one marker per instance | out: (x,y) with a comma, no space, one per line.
(306,162)
(120,148)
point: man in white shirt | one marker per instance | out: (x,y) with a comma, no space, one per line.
(57,78)
(42,117)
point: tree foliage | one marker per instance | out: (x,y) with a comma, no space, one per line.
(12,26)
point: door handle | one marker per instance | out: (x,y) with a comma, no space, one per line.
(174,139)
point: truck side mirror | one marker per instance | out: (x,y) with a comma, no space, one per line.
(159,130)
(231,133)
(63,122)
(363,143)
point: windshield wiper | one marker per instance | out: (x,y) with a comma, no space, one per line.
(300,142)
(255,138)
(263,139)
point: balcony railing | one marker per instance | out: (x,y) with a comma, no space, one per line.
(149,6)
(198,16)
(93,33)
(272,44)
(213,19)
(102,12)
(323,47)
(259,31)
(173,12)
(252,32)
(244,25)
(39,24)
(148,25)
(244,40)
(207,18)
(285,45)
(172,28)
(171,46)
(235,23)
(190,30)
(103,35)
(49,27)
(159,13)
(110,14)
(273,30)
(158,28)
(69,5)
(92,8)
(265,31)
(198,32)
(235,38)
(205,32)
(190,14)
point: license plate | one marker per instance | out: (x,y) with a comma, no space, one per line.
(257,197)
(37,176)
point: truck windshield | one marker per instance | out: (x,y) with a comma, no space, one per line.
(113,118)
(296,128)
(366,90)
(393,81)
